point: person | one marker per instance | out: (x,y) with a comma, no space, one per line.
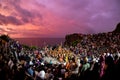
(84,75)
(41,74)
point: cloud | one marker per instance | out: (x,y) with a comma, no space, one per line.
(1,29)
(18,13)
(59,17)
(27,16)
(10,29)
(4,20)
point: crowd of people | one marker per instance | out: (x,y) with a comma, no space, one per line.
(95,57)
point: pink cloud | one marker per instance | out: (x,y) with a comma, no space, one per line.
(56,18)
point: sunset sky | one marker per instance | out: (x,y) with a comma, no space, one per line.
(56,18)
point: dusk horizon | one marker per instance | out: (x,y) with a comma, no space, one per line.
(57,18)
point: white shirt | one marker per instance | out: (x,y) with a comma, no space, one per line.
(41,74)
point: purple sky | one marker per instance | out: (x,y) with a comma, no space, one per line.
(56,18)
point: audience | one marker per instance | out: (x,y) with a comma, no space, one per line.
(96,57)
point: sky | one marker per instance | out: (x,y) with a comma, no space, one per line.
(57,18)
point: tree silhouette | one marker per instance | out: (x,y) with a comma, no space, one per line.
(5,38)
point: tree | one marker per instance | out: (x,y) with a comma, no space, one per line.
(73,39)
(5,38)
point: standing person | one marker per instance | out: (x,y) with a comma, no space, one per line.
(41,74)
(102,64)
(85,69)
